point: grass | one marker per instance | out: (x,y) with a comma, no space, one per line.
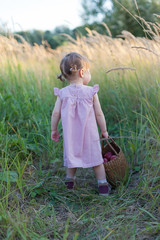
(34,201)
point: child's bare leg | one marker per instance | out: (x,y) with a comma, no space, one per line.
(71,172)
(100,172)
(70,178)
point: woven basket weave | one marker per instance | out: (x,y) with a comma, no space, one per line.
(116,169)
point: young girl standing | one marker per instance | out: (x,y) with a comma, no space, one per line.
(79,108)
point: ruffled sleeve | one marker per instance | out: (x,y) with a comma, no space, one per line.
(95,89)
(56,91)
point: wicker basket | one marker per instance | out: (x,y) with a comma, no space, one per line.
(116,169)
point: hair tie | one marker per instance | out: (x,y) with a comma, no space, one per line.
(73,68)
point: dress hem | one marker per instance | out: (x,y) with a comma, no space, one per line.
(78,166)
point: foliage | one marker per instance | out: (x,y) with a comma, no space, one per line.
(53,38)
(122,14)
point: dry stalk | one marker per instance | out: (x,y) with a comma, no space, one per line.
(89,31)
(156,15)
(146,23)
(155,27)
(144,48)
(69,37)
(120,68)
(20,37)
(107,28)
(157,24)
(151,32)
(127,34)
(136,4)
(157,30)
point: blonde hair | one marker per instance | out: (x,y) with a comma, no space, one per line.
(70,64)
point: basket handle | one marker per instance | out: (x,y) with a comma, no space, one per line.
(109,144)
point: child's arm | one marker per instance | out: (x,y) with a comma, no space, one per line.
(56,114)
(100,116)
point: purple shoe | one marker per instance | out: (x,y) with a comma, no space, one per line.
(104,189)
(70,183)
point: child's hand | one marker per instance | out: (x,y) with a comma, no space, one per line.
(104,134)
(55,135)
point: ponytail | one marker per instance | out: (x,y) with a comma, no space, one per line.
(60,77)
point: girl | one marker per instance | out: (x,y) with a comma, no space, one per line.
(79,108)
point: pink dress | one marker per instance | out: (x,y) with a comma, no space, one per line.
(81,143)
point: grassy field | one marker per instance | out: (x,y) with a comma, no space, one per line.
(34,203)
